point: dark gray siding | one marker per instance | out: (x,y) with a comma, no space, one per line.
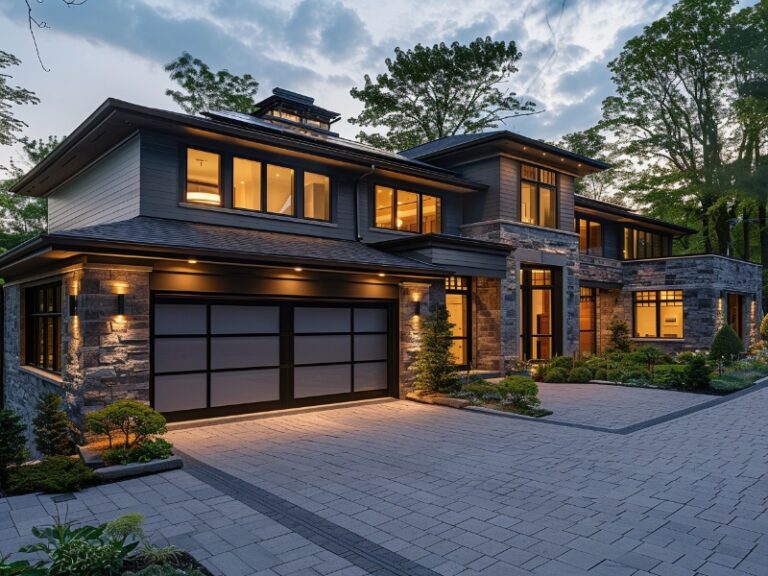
(482,206)
(612,240)
(106,191)
(566,203)
(509,200)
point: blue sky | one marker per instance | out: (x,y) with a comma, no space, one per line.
(117,48)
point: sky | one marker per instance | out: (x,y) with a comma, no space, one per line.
(322,48)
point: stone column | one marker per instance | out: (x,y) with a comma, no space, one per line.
(486,324)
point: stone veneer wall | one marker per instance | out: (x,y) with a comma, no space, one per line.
(486,324)
(430,295)
(104,357)
(533,245)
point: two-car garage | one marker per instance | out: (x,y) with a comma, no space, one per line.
(222,356)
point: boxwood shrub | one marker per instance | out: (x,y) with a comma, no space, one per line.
(580,374)
(556,375)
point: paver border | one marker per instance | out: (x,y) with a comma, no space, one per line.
(756,387)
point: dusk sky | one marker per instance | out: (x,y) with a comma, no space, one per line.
(117,48)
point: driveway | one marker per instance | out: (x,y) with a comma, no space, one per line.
(399,488)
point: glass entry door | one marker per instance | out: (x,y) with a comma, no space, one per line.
(588,320)
(736,313)
(458,304)
(540,313)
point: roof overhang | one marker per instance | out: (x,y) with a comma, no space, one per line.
(116,120)
(614,213)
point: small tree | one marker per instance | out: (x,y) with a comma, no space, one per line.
(726,346)
(696,373)
(134,421)
(51,426)
(12,444)
(619,339)
(764,328)
(651,355)
(435,365)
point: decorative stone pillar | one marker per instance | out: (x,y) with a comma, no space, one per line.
(486,324)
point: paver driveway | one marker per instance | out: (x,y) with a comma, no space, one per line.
(466,493)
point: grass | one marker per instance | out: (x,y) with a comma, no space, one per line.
(735,380)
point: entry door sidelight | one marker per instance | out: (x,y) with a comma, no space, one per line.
(457,301)
(540,313)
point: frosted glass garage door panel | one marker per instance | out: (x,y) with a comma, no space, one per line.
(180,392)
(309,320)
(321,349)
(180,354)
(371,347)
(370,320)
(180,319)
(245,319)
(244,387)
(321,380)
(244,352)
(371,376)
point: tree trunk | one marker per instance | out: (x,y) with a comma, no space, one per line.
(761,216)
(745,241)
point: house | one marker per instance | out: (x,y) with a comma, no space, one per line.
(242,262)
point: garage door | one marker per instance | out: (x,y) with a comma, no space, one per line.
(217,357)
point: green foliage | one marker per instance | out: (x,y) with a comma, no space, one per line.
(156,449)
(520,392)
(52,426)
(764,328)
(136,422)
(11,96)
(619,335)
(696,375)
(203,90)
(13,449)
(669,376)
(564,362)
(600,374)
(53,474)
(165,570)
(154,555)
(726,346)
(431,92)
(580,374)
(650,355)
(435,365)
(125,527)
(556,375)
(482,390)
(21,568)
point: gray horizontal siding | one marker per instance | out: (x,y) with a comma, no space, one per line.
(482,206)
(509,189)
(107,191)
(566,203)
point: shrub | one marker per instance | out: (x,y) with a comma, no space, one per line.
(12,444)
(600,374)
(556,375)
(619,338)
(580,374)
(669,376)
(435,365)
(634,375)
(21,568)
(650,356)
(696,374)
(156,449)
(614,375)
(726,346)
(564,362)
(520,391)
(51,426)
(165,570)
(136,422)
(764,328)
(52,474)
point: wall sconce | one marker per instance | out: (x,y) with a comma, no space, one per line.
(417,305)
(120,304)
(72,305)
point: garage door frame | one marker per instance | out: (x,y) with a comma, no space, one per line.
(286,337)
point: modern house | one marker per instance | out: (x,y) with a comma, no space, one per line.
(242,262)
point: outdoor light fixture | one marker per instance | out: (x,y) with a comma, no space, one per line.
(381,274)
(418,308)
(297,269)
(192,261)
(120,304)
(72,305)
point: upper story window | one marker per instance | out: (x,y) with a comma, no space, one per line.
(590,236)
(317,196)
(280,190)
(246,184)
(43,327)
(203,177)
(643,244)
(538,196)
(658,314)
(407,211)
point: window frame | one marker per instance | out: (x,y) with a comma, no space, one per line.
(294,192)
(31,340)
(657,304)
(462,286)
(393,208)
(538,184)
(632,234)
(330,196)
(577,226)
(185,173)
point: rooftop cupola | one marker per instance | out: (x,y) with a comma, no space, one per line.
(296,110)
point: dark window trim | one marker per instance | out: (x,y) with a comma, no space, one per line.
(593,295)
(31,350)
(265,191)
(657,301)
(601,247)
(665,243)
(393,208)
(526,293)
(330,196)
(462,285)
(539,184)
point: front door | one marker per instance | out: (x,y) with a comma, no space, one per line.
(457,302)
(736,313)
(540,313)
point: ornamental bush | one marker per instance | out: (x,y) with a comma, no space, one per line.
(580,374)
(13,442)
(131,421)
(53,474)
(726,346)
(520,392)
(155,449)
(556,375)
(435,365)
(696,374)
(619,336)
(764,328)
(51,426)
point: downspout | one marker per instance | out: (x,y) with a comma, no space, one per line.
(358,235)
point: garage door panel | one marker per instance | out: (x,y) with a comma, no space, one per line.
(180,354)
(244,352)
(322,380)
(370,320)
(245,386)
(321,349)
(370,347)
(371,376)
(180,319)
(232,319)
(180,392)
(313,320)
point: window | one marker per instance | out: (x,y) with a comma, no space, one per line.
(540,315)
(640,244)
(246,184)
(413,212)
(280,190)
(538,196)
(317,196)
(588,320)
(658,314)
(458,306)
(43,324)
(590,237)
(203,177)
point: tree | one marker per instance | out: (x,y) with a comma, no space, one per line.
(203,90)
(671,109)
(592,143)
(10,96)
(51,426)
(12,444)
(726,345)
(431,92)
(435,365)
